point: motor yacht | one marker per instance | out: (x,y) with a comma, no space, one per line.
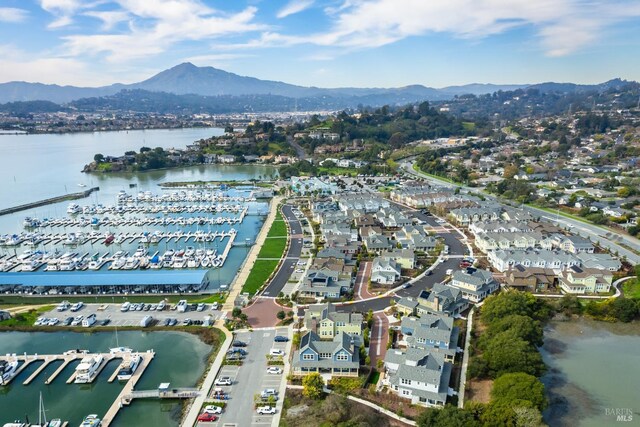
(87,369)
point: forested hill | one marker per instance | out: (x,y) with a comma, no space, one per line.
(545,100)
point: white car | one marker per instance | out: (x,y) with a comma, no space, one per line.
(274,370)
(223,381)
(276,352)
(212,409)
(268,410)
(53,322)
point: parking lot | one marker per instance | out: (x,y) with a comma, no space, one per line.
(134,317)
(250,379)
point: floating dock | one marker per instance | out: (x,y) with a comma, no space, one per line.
(71,196)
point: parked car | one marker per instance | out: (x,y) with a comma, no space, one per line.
(105,322)
(280,338)
(274,370)
(276,352)
(67,321)
(239,343)
(223,381)
(213,409)
(239,351)
(201,307)
(207,417)
(266,410)
(186,322)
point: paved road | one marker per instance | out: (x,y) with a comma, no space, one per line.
(379,338)
(292,257)
(360,290)
(594,232)
(250,379)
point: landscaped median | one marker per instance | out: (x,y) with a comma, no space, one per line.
(269,256)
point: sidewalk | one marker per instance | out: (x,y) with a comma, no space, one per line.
(196,405)
(238,282)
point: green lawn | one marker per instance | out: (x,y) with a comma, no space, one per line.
(631,289)
(273,248)
(278,228)
(417,169)
(259,274)
(25,319)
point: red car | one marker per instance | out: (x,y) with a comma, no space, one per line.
(207,417)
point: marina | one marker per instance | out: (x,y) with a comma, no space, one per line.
(105,393)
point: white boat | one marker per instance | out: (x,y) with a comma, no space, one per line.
(7,370)
(119,263)
(87,369)
(129,367)
(91,421)
(116,350)
(42,417)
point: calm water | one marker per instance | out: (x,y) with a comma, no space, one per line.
(180,359)
(35,167)
(593,368)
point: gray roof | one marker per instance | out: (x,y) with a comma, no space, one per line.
(430,327)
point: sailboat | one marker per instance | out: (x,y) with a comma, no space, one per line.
(42,417)
(117,348)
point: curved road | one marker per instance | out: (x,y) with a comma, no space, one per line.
(292,256)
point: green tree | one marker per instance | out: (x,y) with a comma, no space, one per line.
(281,315)
(623,309)
(518,326)
(236,312)
(570,304)
(312,386)
(449,416)
(513,388)
(500,305)
(506,353)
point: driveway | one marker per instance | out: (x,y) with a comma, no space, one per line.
(379,338)
(361,290)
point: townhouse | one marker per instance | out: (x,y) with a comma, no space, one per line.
(577,280)
(430,332)
(475,284)
(338,357)
(327,323)
(502,260)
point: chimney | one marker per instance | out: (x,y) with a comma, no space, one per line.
(436,301)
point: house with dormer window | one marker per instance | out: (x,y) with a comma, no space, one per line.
(338,357)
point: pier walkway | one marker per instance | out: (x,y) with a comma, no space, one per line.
(71,196)
(127,389)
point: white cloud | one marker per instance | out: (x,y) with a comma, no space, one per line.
(293,7)
(155,26)
(17,65)
(564,26)
(109,18)
(12,14)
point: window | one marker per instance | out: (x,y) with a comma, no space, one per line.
(325,355)
(339,323)
(405,381)
(342,357)
(406,392)
(307,356)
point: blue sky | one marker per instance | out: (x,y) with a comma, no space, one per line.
(328,43)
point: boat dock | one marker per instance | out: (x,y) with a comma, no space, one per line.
(118,403)
(66,359)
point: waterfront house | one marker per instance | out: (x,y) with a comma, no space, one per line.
(419,375)
(531,279)
(578,280)
(441,299)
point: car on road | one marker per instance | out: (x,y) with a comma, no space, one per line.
(274,370)
(238,343)
(406,285)
(280,338)
(206,417)
(213,409)
(266,410)
(105,322)
(223,381)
